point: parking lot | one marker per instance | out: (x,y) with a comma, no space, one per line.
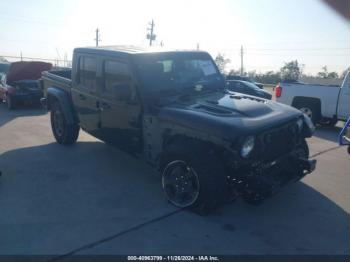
(91,198)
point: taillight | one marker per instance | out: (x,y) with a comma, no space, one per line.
(278,91)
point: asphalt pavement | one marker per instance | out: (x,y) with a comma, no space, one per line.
(91,198)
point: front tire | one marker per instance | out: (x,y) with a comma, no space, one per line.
(193,177)
(63,132)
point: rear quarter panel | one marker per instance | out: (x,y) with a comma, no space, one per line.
(51,80)
(328,96)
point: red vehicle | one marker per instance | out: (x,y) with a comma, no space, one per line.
(21,85)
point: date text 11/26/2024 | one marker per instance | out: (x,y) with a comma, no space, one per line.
(173,258)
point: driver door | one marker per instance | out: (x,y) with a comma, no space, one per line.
(120,113)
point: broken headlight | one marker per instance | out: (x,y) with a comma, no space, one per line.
(247,146)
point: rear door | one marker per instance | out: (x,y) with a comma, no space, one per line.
(120,117)
(344,99)
(85,92)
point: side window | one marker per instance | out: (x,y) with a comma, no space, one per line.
(233,86)
(115,73)
(167,66)
(239,87)
(87,72)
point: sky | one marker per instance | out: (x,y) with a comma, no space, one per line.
(271,32)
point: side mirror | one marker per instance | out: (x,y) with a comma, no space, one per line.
(122,91)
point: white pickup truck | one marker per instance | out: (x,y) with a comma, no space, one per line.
(323,104)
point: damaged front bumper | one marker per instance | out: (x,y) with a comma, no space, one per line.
(307,165)
(258,181)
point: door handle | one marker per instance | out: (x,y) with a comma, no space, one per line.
(82,97)
(134,122)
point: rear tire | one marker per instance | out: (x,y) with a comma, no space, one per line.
(63,132)
(311,109)
(206,171)
(329,122)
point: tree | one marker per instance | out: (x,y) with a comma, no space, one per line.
(234,72)
(333,75)
(2,59)
(290,71)
(252,74)
(326,74)
(269,77)
(343,75)
(221,62)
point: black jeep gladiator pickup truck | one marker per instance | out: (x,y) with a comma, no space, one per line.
(209,144)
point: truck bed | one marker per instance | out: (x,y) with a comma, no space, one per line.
(328,95)
(59,78)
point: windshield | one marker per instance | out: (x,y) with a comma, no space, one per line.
(177,72)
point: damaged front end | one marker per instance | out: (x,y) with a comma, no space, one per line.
(279,156)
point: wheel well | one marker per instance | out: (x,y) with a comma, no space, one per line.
(67,108)
(300,101)
(188,142)
(50,100)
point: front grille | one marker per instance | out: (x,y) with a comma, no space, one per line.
(274,143)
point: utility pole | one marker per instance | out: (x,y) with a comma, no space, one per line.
(97,38)
(151,36)
(197,46)
(59,56)
(21,56)
(242,60)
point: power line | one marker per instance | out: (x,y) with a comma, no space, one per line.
(284,55)
(296,50)
(33,58)
(300,49)
(22,19)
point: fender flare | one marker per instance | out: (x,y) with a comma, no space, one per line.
(54,93)
(304,100)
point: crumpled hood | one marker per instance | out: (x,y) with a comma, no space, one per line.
(228,114)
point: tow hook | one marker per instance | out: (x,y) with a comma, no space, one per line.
(308,165)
